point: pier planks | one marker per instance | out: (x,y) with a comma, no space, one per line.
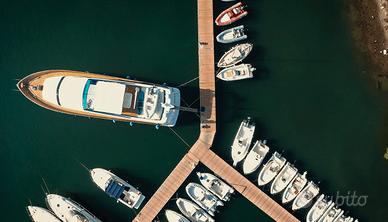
(200,151)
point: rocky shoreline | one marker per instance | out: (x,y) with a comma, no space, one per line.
(370,32)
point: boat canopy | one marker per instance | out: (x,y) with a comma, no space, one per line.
(101,96)
(114,189)
(65,91)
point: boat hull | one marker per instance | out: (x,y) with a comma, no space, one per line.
(255,157)
(229,35)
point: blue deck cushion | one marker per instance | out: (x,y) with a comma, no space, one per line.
(114,189)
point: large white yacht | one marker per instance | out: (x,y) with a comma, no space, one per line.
(117,188)
(39,214)
(68,210)
(101,96)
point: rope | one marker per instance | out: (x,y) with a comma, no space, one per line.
(183,84)
(194,101)
(176,134)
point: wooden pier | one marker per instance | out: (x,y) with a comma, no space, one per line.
(200,151)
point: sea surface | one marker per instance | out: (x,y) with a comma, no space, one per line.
(310,98)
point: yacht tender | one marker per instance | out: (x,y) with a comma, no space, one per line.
(68,210)
(317,210)
(215,185)
(39,214)
(201,196)
(283,178)
(193,212)
(255,157)
(173,216)
(238,72)
(101,96)
(242,140)
(305,196)
(271,169)
(294,187)
(117,188)
(232,35)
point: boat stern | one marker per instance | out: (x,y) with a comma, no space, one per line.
(171,107)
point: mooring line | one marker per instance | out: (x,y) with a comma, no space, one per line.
(183,84)
(179,136)
(194,101)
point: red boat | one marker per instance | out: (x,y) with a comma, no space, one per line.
(231,14)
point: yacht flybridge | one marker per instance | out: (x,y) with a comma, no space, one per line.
(101,96)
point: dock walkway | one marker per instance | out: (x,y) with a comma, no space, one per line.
(200,151)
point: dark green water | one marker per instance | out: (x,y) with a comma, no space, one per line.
(310,98)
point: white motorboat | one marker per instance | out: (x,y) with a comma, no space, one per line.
(173,216)
(117,188)
(39,214)
(330,214)
(305,196)
(343,218)
(294,188)
(204,198)
(255,157)
(235,55)
(68,210)
(215,185)
(283,178)
(271,169)
(238,72)
(317,210)
(338,217)
(192,211)
(242,140)
(232,35)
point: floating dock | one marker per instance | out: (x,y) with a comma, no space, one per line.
(200,151)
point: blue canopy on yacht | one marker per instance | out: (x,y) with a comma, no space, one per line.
(114,189)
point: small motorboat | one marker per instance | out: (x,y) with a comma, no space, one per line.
(215,185)
(305,196)
(39,214)
(330,214)
(239,72)
(204,198)
(117,188)
(68,210)
(235,55)
(283,178)
(317,210)
(294,188)
(232,35)
(231,14)
(271,169)
(344,218)
(193,212)
(242,140)
(173,216)
(255,157)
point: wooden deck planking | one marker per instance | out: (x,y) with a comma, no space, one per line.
(200,151)
(246,188)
